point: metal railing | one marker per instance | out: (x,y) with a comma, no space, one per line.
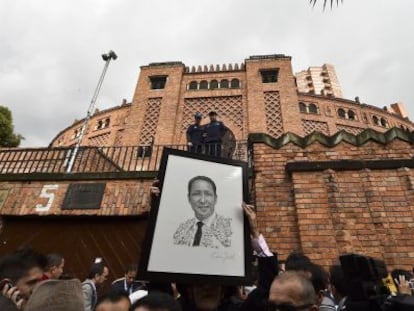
(100,159)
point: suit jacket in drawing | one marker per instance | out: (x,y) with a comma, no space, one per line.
(215,235)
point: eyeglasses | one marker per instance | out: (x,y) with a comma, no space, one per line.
(285,307)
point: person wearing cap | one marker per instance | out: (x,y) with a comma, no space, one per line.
(195,134)
(213,135)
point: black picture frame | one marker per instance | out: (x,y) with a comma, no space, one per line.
(166,258)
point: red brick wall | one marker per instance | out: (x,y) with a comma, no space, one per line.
(328,107)
(270,108)
(110,136)
(327,213)
(121,197)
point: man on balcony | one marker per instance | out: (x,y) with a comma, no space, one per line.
(213,135)
(195,134)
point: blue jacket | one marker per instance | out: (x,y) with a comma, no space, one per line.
(215,131)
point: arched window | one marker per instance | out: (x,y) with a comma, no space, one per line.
(213,84)
(107,122)
(302,107)
(224,84)
(203,85)
(351,115)
(193,85)
(313,108)
(384,122)
(235,84)
(376,120)
(100,124)
(341,113)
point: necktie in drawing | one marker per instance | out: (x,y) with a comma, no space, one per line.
(197,237)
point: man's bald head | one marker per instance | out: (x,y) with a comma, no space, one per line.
(293,288)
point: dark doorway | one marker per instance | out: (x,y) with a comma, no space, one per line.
(229,144)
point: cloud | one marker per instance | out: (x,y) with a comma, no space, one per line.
(50,50)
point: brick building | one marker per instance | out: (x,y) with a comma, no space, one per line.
(328,175)
(257,96)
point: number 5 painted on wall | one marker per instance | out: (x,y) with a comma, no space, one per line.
(47,195)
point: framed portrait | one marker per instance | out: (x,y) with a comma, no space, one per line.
(197,231)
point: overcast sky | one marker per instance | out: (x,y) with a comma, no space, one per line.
(50,50)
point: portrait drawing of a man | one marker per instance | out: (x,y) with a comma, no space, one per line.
(206,228)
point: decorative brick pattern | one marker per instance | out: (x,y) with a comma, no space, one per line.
(230,107)
(149,128)
(350,129)
(274,122)
(99,140)
(310,126)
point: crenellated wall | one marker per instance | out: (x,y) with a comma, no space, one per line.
(244,101)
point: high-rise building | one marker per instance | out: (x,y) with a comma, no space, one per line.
(319,81)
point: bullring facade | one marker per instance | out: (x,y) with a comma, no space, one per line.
(328,175)
(258,96)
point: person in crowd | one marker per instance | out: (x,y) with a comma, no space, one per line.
(54,267)
(206,228)
(128,284)
(299,262)
(401,280)
(113,302)
(320,281)
(195,134)
(213,135)
(19,274)
(97,275)
(267,265)
(156,301)
(338,286)
(56,295)
(201,297)
(292,291)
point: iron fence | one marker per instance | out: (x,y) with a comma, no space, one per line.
(90,159)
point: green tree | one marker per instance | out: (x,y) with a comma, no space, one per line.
(7,136)
(325,2)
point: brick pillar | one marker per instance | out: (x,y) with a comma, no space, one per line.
(375,235)
(316,229)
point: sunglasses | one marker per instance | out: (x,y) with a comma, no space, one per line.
(285,307)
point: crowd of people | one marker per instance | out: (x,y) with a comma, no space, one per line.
(30,281)
(33,282)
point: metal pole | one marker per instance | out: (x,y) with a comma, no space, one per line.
(107,58)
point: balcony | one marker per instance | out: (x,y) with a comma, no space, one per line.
(143,158)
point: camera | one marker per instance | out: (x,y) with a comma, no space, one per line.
(366,290)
